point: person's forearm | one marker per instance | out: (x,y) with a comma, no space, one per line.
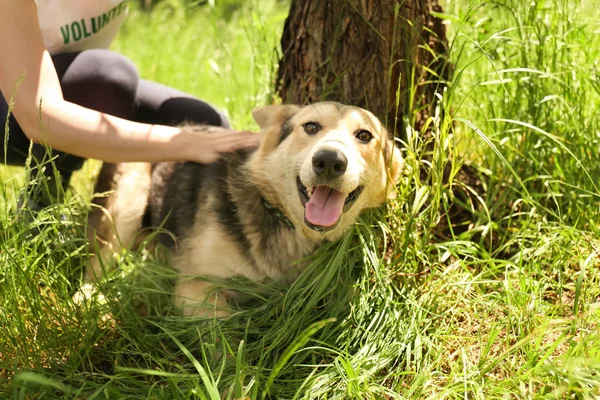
(28,77)
(86,133)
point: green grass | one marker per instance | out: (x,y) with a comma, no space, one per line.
(402,307)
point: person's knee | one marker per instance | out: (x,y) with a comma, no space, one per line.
(102,80)
(109,69)
(204,113)
(224,122)
(191,110)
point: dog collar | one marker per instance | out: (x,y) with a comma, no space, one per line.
(277,213)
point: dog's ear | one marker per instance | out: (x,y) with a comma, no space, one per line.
(273,115)
(395,167)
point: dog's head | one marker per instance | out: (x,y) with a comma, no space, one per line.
(323,164)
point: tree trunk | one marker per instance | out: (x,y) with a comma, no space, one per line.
(383,55)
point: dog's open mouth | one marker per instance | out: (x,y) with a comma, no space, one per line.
(323,205)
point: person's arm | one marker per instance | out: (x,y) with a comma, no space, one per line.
(80,131)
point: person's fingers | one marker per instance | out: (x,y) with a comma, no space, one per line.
(240,136)
(214,144)
(251,138)
(234,141)
(231,146)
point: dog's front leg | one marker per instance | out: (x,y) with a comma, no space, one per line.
(198,298)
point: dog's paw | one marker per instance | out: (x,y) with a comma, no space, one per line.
(205,310)
(88,292)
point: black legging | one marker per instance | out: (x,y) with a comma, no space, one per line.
(108,82)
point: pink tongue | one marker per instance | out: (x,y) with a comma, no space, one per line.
(325,206)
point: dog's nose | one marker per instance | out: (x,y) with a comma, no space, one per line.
(329,163)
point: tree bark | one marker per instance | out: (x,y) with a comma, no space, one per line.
(387,56)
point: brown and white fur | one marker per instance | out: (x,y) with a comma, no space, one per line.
(251,213)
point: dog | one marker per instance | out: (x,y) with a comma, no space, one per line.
(253,213)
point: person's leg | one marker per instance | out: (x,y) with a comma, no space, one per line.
(160,104)
(97,79)
(100,80)
(15,151)
(15,145)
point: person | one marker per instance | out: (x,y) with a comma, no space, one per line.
(60,87)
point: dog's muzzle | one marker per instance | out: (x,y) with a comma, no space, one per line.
(322,196)
(324,206)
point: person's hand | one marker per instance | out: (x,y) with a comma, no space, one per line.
(81,131)
(209,143)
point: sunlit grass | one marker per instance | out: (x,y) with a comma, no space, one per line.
(402,307)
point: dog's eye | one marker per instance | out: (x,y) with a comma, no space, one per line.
(312,128)
(364,136)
